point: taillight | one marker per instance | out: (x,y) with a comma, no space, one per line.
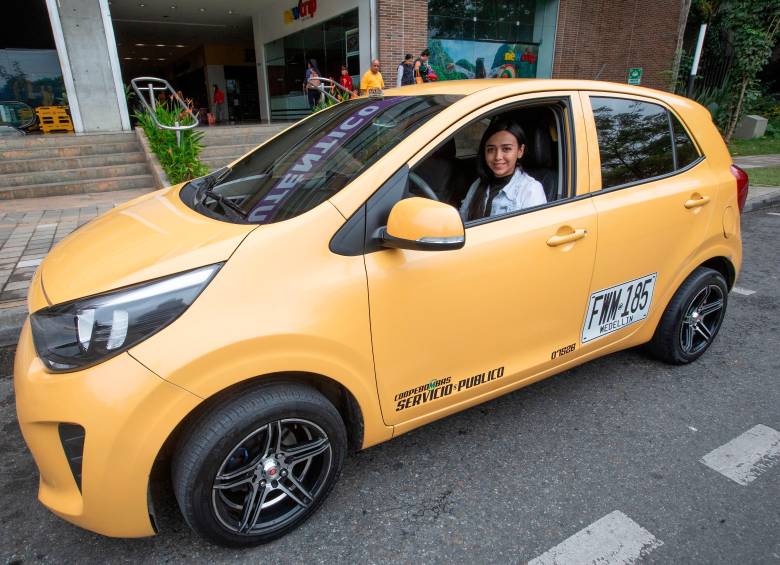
(742,185)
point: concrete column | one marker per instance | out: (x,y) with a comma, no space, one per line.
(86,46)
(545,27)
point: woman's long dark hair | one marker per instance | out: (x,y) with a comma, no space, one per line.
(486,176)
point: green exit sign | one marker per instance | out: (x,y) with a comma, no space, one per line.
(635,76)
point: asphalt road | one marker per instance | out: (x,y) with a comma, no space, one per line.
(508,480)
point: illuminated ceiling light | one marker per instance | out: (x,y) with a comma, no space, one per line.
(144,58)
(160,45)
(161,58)
(230,12)
(180,46)
(173,7)
(141,5)
(127,58)
(203,9)
(140,44)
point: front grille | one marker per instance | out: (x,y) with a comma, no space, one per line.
(72,438)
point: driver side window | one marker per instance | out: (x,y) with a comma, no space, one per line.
(450,172)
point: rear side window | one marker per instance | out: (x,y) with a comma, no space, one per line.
(635,141)
(683,145)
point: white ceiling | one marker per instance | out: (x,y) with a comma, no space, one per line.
(183,22)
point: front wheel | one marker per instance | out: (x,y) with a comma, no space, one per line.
(692,319)
(254,468)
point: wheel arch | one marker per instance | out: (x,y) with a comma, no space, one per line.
(160,491)
(724,266)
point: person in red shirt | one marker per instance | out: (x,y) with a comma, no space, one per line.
(345,80)
(219,104)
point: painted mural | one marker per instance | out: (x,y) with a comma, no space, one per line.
(455,59)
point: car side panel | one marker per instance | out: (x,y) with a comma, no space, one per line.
(646,229)
(286,304)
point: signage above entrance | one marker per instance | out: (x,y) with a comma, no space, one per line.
(305,9)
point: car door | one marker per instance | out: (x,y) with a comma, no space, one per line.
(451,327)
(654,199)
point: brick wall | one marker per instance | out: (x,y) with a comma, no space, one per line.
(618,35)
(403,28)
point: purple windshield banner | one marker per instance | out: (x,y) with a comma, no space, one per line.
(316,155)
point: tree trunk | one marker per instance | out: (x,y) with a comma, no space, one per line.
(684,9)
(737,111)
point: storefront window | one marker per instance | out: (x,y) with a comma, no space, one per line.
(32,76)
(482,38)
(331,44)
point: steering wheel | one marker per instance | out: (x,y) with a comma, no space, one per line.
(423,186)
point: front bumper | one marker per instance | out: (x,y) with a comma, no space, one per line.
(127,413)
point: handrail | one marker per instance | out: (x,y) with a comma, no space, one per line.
(6,109)
(152,85)
(332,82)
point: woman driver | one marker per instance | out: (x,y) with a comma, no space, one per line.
(502,186)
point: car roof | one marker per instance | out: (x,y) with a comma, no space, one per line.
(522,85)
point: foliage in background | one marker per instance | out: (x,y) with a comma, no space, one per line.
(738,44)
(327,102)
(752,26)
(180,162)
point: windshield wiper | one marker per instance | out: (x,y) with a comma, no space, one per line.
(223,201)
(203,190)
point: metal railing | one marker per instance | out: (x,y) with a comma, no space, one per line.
(151,86)
(17,115)
(324,91)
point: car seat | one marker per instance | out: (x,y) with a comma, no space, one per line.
(538,160)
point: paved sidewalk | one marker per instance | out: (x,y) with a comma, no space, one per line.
(30,227)
(755,161)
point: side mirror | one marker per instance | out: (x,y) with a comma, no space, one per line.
(423,224)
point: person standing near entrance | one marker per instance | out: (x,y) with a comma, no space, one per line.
(405,73)
(219,104)
(372,78)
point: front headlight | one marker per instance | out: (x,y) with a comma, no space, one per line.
(89,330)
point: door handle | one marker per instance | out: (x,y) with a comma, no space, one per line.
(557,240)
(696,202)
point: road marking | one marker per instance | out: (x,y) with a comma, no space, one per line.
(742,291)
(744,458)
(773,213)
(615,538)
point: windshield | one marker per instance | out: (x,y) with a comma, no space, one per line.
(312,161)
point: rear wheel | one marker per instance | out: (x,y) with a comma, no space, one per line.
(254,468)
(692,319)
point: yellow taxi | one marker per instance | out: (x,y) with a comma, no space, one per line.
(381,264)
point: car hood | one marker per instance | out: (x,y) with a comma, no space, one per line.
(149,237)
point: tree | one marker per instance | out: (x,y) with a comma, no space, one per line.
(752,27)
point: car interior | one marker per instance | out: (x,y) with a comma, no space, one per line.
(451,168)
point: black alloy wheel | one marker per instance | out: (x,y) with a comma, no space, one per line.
(256,466)
(692,319)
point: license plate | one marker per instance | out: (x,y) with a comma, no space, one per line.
(619,306)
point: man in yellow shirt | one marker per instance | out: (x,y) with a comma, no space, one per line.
(372,78)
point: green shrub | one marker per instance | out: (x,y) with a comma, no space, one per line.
(179,161)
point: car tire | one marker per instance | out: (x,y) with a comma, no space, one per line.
(255,466)
(692,319)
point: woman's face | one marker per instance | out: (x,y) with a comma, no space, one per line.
(502,153)
(344,72)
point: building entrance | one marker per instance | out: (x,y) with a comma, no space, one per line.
(330,44)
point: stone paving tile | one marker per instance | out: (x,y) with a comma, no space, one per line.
(8,295)
(16,285)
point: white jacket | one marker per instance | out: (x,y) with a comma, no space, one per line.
(522,191)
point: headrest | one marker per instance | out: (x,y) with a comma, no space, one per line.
(446,151)
(539,154)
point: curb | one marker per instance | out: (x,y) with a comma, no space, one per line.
(763,202)
(160,180)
